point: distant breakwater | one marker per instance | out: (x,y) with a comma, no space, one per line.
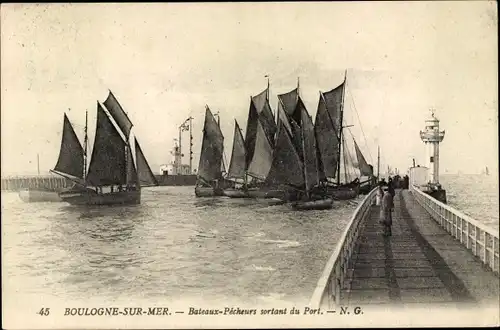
(55,183)
(52,183)
(176,180)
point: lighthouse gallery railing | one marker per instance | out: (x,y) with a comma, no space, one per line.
(330,284)
(475,236)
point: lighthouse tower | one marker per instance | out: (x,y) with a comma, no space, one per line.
(432,136)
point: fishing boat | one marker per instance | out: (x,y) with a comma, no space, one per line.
(39,194)
(209,181)
(236,172)
(117,169)
(313,198)
(289,117)
(257,148)
(365,170)
(331,143)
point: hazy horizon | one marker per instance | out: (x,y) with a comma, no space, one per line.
(164,62)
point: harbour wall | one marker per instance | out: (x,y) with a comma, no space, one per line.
(52,183)
(55,183)
(176,180)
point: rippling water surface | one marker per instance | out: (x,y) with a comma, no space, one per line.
(475,195)
(175,246)
(172,246)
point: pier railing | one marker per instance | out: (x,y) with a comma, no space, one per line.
(331,282)
(475,236)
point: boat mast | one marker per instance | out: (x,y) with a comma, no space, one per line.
(85,142)
(378,163)
(190,145)
(304,154)
(298,90)
(341,128)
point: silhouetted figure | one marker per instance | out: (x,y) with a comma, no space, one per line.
(390,187)
(386,212)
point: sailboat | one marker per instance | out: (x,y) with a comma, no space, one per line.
(257,146)
(40,193)
(366,170)
(113,175)
(313,196)
(237,166)
(332,153)
(209,178)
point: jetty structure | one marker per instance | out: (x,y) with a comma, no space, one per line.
(437,256)
(176,173)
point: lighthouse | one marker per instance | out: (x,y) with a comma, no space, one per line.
(432,136)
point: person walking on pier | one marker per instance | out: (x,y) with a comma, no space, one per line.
(386,212)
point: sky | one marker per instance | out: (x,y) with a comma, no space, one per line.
(164,62)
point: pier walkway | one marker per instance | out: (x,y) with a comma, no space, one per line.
(420,264)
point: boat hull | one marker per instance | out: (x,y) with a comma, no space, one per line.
(39,196)
(320,204)
(90,197)
(341,193)
(208,191)
(236,193)
(265,193)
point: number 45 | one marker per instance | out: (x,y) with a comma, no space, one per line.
(44,311)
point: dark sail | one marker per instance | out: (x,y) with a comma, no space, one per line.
(286,167)
(107,165)
(288,101)
(144,173)
(70,159)
(238,160)
(261,161)
(211,149)
(311,171)
(297,114)
(296,137)
(333,102)
(363,166)
(283,117)
(261,104)
(118,114)
(327,140)
(259,110)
